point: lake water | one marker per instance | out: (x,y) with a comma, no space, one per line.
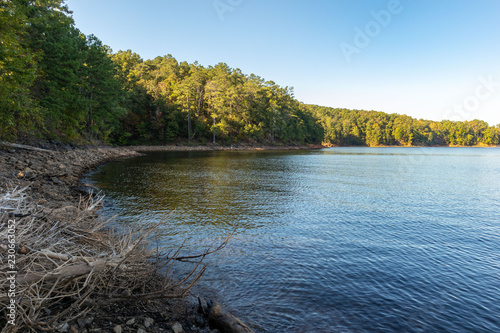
(331,240)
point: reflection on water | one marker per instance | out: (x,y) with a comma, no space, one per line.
(342,239)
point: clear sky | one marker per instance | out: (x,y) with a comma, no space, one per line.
(431,59)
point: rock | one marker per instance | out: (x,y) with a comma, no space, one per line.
(131,321)
(26,173)
(63,328)
(126,293)
(148,322)
(140,330)
(198,321)
(84,322)
(118,329)
(177,328)
(56,180)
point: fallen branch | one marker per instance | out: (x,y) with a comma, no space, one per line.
(69,261)
(197,256)
(62,273)
(221,319)
(19,146)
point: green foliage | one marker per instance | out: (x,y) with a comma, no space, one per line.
(54,81)
(168,100)
(18,111)
(356,127)
(57,83)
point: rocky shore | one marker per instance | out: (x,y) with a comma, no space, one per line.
(49,178)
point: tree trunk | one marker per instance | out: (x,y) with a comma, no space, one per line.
(189,120)
(89,128)
(214,130)
(231,125)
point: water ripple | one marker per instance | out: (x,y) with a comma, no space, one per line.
(336,240)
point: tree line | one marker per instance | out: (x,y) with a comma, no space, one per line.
(168,100)
(345,127)
(58,84)
(55,82)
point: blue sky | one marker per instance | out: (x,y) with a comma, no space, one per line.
(427,59)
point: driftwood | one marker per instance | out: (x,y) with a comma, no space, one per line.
(19,146)
(65,272)
(69,262)
(221,319)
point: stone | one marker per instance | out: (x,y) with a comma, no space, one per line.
(177,328)
(84,322)
(118,329)
(148,322)
(63,328)
(131,321)
(140,330)
(55,180)
(28,173)
(198,321)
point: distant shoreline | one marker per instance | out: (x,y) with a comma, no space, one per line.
(183,147)
(384,146)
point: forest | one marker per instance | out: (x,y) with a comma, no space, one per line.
(61,85)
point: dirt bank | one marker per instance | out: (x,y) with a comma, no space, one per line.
(48,180)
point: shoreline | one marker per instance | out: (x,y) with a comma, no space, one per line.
(184,147)
(52,182)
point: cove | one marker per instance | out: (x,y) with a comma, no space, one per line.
(337,239)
